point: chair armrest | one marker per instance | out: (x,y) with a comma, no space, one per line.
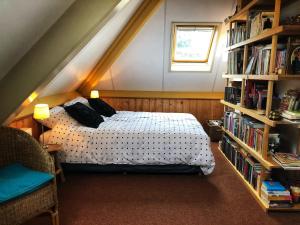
(18,146)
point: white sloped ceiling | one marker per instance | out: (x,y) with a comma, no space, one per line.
(22,24)
(79,67)
(144,65)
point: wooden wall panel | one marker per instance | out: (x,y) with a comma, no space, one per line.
(202,109)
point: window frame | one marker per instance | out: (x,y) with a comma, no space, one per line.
(196,25)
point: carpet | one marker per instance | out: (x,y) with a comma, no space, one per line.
(137,199)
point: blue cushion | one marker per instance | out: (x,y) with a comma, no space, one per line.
(17,180)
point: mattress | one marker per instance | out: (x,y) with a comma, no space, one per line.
(137,138)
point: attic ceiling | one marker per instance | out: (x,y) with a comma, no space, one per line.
(64,46)
(22,24)
(51,53)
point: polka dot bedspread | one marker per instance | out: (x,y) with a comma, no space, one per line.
(136,138)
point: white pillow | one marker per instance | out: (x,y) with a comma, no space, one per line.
(58,115)
(78,99)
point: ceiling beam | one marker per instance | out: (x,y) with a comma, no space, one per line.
(134,25)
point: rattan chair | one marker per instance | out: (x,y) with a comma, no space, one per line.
(18,146)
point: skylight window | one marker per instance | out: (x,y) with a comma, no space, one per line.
(192,43)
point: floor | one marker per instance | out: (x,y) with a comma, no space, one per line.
(116,199)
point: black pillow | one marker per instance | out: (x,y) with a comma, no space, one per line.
(101,107)
(84,115)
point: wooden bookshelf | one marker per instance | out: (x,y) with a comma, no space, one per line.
(251,112)
(254,192)
(268,34)
(267,163)
(261,77)
(242,14)
(259,115)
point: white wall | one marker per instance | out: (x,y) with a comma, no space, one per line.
(22,24)
(71,76)
(144,65)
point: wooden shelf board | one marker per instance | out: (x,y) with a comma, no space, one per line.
(250,112)
(267,163)
(288,77)
(260,116)
(261,77)
(255,194)
(267,34)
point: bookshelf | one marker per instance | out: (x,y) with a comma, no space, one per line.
(260,77)
(267,163)
(255,193)
(267,36)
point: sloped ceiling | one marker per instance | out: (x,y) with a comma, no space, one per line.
(62,41)
(145,64)
(22,24)
(71,76)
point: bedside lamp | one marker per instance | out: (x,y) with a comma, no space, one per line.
(94,94)
(41,112)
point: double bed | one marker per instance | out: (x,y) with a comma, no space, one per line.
(136,141)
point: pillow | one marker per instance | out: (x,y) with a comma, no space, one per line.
(84,115)
(75,100)
(58,115)
(17,180)
(101,107)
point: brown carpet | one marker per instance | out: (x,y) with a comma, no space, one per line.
(109,199)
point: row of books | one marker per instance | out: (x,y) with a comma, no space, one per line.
(243,162)
(257,22)
(246,129)
(232,94)
(250,131)
(238,33)
(274,195)
(259,61)
(235,61)
(256,95)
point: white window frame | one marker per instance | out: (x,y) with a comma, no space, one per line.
(189,65)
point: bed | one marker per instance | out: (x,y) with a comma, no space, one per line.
(129,141)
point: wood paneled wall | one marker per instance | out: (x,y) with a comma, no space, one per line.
(202,109)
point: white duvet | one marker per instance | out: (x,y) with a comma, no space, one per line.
(137,138)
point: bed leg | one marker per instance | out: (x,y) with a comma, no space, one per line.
(124,173)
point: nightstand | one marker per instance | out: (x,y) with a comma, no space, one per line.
(53,149)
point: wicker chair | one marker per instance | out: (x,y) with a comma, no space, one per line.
(18,146)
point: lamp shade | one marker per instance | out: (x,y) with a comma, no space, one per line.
(94,94)
(41,111)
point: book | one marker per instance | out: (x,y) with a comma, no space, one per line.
(272,186)
(287,159)
(292,115)
(285,193)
